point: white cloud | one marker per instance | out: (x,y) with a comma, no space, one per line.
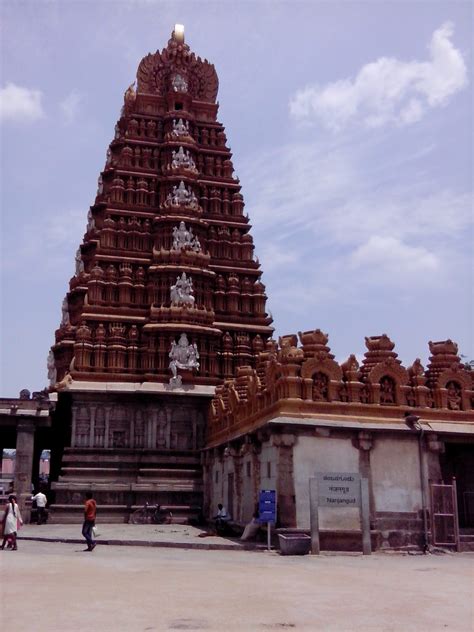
(70,107)
(345,193)
(20,104)
(274,255)
(62,231)
(387,90)
(388,254)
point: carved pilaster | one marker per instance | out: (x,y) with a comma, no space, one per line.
(25,439)
(92,410)
(108,410)
(365,442)
(73,427)
(285,479)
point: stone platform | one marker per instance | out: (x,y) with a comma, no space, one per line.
(171,536)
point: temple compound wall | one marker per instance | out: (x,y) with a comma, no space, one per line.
(299,413)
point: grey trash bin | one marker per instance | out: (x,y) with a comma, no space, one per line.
(294,543)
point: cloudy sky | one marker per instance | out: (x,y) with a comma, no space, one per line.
(351,129)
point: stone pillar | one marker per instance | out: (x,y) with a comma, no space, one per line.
(365,444)
(107,426)
(237,459)
(92,410)
(73,428)
(154,423)
(131,435)
(285,481)
(435,448)
(25,441)
(256,470)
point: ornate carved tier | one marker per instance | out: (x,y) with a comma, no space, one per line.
(168,208)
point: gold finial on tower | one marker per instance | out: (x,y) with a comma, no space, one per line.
(178,33)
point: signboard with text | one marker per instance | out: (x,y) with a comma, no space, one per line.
(267,506)
(336,489)
(339,490)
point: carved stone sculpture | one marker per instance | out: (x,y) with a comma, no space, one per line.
(52,372)
(184,239)
(90,221)
(179,83)
(181,196)
(183,159)
(182,291)
(79,263)
(180,128)
(182,356)
(65,321)
(454,396)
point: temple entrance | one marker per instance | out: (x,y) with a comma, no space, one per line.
(458,462)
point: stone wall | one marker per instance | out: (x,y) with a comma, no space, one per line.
(286,460)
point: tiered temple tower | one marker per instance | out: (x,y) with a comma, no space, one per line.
(166,300)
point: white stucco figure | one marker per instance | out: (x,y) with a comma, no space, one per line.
(182,356)
(182,291)
(180,128)
(184,238)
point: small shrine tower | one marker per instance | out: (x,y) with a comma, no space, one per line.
(166,301)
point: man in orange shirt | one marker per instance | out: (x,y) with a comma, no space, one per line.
(90,508)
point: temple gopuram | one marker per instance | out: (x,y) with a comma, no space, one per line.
(169,388)
(166,301)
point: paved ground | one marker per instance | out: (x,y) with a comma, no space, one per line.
(173,535)
(47,587)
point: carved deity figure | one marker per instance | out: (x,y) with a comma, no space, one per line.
(182,356)
(65,321)
(79,262)
(182,291)
(130,95)
(52,373)
(181,196)
(133,334)
(180,128)
(184,238)
(387,390)
(100,186)
(179,83)
(454,396)
(90,221)
(182,158)
(320,387)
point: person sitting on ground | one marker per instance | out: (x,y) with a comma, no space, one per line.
(222,518)
(40,500)
(251,528)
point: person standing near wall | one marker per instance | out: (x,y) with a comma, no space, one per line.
(90,510)
(40,500)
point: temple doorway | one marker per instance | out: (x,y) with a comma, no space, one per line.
(458,462)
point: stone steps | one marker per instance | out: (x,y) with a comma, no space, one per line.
(466,542)
(71,473)
(139,486)
(120,479)
(118,514)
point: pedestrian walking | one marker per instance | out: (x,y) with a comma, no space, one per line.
(11,523)
(41,501)
(90,510)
